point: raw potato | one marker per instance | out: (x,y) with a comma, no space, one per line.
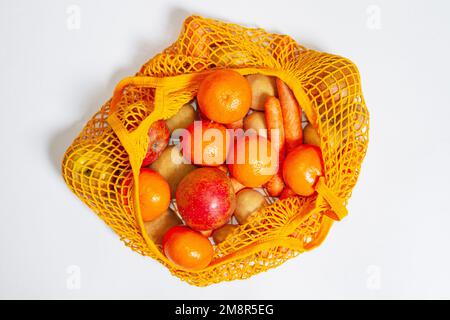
(231,57)
(311,136)
(156,229)
(248,202)
(262,87)
(219,235)
(170,165)
(256,121)
(185,116)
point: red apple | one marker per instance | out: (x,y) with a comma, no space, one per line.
(206,199)
(159,136)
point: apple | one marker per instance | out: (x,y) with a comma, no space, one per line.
(159,135)
(206,199)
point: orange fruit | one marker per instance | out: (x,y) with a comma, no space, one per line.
(187,248)
(224,96)
(251,162)
(154,194)
(205,143)
(302,167)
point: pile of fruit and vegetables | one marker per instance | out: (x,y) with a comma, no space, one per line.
(240,145)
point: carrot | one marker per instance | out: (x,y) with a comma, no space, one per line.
(275,185)
(223,168)
(237,186)
(292,116)
(206,233)
(274,121)
(239,124)
(287,193)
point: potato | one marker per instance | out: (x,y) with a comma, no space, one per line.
(156,229)
(256,121)
(310,135)
(170,165)
(219,235)
(231,56)
(262,87)
(185,116)
(248,202)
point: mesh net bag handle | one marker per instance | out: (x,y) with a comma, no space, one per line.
(103,162)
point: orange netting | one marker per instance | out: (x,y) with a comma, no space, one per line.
(103,162)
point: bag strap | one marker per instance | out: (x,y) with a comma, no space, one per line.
(337,204)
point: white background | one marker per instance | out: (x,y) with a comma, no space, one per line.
(395,242)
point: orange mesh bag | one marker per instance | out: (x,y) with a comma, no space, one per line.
(102,165)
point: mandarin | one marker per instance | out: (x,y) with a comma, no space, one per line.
(187,248)
(302,167)
(154,194)
(252,161)
(224,96)
(206,143)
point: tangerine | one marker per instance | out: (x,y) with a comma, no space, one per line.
(253,162)
(302,167)
(224,96)
(154,194)
(205,143)
(187,248)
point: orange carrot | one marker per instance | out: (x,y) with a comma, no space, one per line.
(292,116)
(206,233)
(223,168)
(239,124)
(237,186)
(275,185)
(287,193)
(274,121)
